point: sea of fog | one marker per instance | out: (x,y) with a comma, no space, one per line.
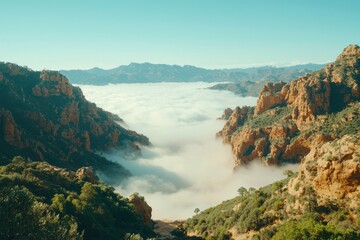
(187,167)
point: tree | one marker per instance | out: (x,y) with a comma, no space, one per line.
(252,190)
(288,172)
(243,191)
(58,202)
(196,211)
(22,217)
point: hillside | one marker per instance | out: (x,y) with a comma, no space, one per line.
(313,120)
(322,201)
(41,201)
(43,117)
(290,118)
(147,72)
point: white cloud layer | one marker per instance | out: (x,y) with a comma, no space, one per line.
(187,167)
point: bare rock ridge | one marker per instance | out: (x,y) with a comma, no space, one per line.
(291,118)
(42,116)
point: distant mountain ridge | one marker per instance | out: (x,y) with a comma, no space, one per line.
(256,78)
(148,72)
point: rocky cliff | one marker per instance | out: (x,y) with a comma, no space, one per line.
(141,207)
(315,121)
(291,118)
(321,201)
(332,170)
(44,117)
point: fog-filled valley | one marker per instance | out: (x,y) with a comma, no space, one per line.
(186,167)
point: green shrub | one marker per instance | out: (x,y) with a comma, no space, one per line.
(308,228)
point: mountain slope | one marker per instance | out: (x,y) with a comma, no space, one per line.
(145,72)
(256,78)
(41,201)
(322,201)
(45,118)
(290,118)
(315,121)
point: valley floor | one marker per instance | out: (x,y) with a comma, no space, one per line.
(165,227)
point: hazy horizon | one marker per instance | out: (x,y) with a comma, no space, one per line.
(275,65)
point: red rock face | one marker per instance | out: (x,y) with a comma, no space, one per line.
(52,84)
(336,173)
(45,116)
(70,114)
(236,119)
(308,98)
(270,97)
(11,134)
(141,207)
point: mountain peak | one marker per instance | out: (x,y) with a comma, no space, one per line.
(352,50)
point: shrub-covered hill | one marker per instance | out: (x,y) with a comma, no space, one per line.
(261,214)
(41,201)
(313,120)
(321,201)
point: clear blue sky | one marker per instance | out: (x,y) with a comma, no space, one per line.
(70,34)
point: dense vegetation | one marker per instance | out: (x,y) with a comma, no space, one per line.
(343,122)
(269,117)
(261,214)
(40,201)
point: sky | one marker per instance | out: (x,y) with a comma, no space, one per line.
(205,33)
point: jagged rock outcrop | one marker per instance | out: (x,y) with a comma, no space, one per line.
(282,126)
(323,199)
(86,174)
(270,97)
(141,207)
(226,115)
(52,84)
(237,118)
(42,116)
(332,171)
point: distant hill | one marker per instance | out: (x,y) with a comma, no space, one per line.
(255,78)
(147,72)
(143,73)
